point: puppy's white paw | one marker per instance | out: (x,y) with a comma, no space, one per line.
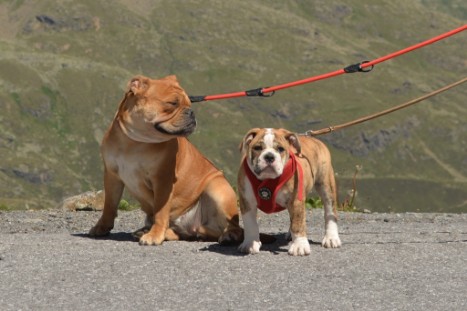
(250,247)
(299,247)
(331,241)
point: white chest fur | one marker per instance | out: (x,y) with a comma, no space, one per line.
(133,171)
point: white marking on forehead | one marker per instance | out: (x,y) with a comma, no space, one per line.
(269,138)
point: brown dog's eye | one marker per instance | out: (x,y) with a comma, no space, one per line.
(280,149)
(257,148)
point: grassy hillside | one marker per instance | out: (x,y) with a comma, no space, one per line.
(64,66)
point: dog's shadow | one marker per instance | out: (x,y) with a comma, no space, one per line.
(113,236)
(276,247)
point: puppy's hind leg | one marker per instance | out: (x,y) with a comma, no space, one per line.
(328,193)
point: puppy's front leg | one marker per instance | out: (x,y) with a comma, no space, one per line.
(299,246)
(251,243)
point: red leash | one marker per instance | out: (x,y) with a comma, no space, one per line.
(364,66)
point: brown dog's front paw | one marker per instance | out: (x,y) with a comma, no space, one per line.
(150,239)
(99,230)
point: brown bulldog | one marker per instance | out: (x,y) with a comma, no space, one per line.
(278,169)
(145,150)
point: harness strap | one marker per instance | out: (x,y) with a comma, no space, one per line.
(266,190)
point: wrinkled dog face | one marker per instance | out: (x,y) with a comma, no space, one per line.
(267,151)
(154,111)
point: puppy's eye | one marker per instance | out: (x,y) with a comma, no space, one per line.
(174,103)
(257,148)
(280,149)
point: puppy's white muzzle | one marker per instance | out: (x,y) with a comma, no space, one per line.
(269,165)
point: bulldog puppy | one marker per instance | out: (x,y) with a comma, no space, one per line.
(278,169)
(145,150)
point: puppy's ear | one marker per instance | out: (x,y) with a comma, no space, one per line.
(294,141)
(248,138)
(138,85)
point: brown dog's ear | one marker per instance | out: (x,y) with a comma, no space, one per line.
(138,85)
(294,141)
(172,78)
(248,138)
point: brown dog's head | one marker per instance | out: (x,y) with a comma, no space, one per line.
(154,111)
(267,151)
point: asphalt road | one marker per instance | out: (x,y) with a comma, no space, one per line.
(387,262)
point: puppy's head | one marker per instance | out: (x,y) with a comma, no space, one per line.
(267,151)
(154,111)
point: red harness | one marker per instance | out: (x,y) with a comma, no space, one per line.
(266,190)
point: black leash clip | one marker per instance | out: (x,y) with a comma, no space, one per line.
(358,68)
(259,92)
(197,99)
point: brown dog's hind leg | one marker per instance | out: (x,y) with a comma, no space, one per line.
(221,215)
(139,233)
(206,234)
(171,235)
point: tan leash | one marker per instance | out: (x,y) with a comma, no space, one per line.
(382,113)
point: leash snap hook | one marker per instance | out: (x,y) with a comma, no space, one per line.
(259,92)
(367,69)
(268,94)
(197,99)
(358,68)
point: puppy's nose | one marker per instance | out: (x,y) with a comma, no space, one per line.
(269,158)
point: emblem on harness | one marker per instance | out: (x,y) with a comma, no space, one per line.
(265,193)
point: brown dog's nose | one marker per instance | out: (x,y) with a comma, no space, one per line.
(269,158)
(190,112)
(190,120)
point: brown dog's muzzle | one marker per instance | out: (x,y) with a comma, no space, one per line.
(184,126)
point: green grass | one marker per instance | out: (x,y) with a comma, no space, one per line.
(3,207)
(314,202)
(124,205)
